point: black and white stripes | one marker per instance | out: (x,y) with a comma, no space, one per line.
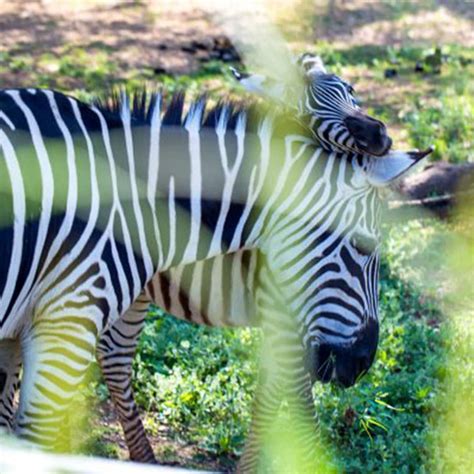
(106,207)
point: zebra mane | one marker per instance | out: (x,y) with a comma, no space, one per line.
(142,103)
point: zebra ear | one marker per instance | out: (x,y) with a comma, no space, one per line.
(312,64)
(382,171)
(261,85)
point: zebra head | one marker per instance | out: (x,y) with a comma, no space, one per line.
(328,104)
(339,322)
(325,256)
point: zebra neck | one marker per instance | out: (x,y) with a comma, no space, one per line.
(206,192)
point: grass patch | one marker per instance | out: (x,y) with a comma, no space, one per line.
(199,382)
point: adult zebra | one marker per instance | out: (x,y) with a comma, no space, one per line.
(99,200)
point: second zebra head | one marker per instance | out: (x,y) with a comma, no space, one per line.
(328,105)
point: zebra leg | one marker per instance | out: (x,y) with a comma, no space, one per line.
(57,351)
(10,366)
(265,407)
(115,353)
(303,420)
(282,377)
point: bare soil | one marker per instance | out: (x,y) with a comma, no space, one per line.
(177,36)
(351,23)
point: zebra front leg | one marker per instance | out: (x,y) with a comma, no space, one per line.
(56,352)
(283,381)
(265,408)
(115,353)
(276,371)
(10,366)
(304,425)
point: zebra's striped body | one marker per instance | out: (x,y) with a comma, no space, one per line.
(96,201)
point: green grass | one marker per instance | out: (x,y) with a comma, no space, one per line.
(198,382)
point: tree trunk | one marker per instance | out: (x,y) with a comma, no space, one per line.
(437,189)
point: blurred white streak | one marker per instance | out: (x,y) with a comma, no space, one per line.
(16,460)
(250,25)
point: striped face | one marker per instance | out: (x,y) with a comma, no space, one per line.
(328,104)
(336,291)
(342,326)
(334,114)
(327,265)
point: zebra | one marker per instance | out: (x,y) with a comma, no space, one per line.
(172,291)
(78,257)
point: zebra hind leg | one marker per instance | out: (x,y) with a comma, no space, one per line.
(10,366)
(56,351)
(115,353)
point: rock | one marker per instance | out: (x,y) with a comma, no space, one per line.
(437,179)
(390,73)
(419,67)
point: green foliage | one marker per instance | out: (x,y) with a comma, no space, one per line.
(450,119)
(198,381)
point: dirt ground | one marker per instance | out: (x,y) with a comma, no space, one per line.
(177,36)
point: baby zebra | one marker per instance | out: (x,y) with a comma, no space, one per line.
(226,216)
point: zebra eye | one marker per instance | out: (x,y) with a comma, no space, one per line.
(364,244)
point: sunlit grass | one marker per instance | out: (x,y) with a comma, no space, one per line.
(454,431)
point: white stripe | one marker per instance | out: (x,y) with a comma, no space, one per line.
(216,296)
(195,292)
(4,117)
(144,252)
(72,193)
(192,125)
(175,289)
(19,212)
(255,188)
(47,186)
(230,175)
(172,225)
(153,170)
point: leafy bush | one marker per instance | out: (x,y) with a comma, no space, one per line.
(197,380)
(450,120)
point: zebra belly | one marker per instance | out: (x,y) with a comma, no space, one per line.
(215,292)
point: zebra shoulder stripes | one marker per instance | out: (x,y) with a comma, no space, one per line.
(98,237)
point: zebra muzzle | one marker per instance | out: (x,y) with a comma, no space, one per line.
(370,135)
